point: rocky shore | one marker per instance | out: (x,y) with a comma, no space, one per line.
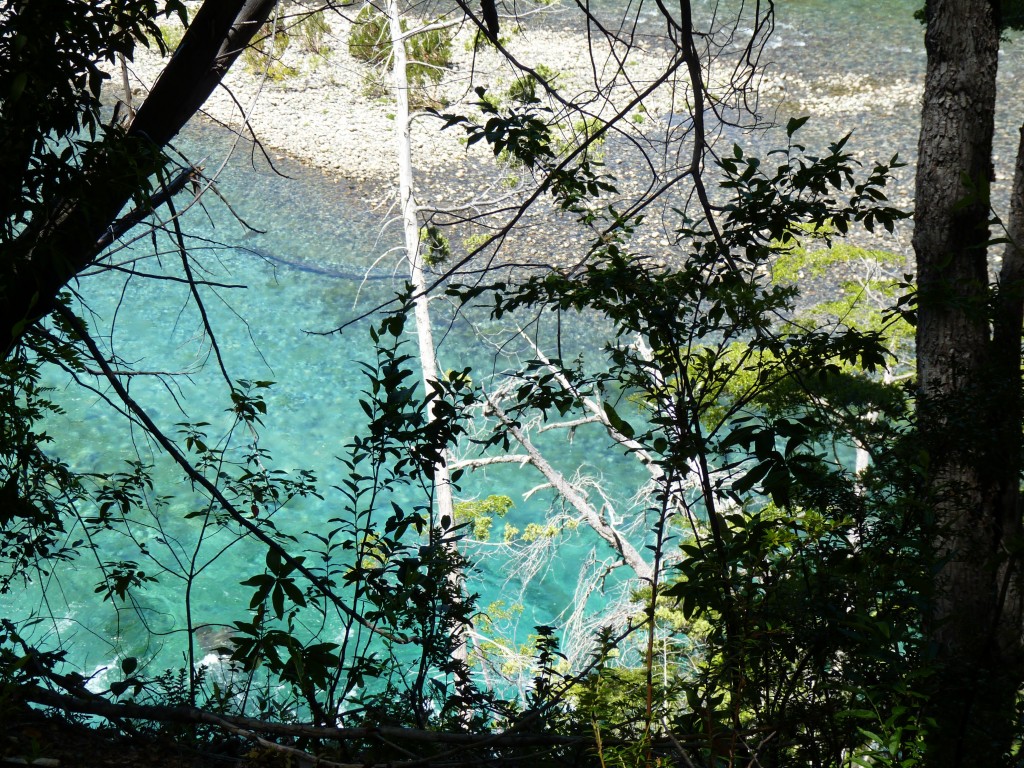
(333,112)
(327,109)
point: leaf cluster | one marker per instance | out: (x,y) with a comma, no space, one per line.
(523,133)
(50,84)
(796,579)
(429,52)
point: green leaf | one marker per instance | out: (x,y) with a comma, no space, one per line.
(754,476)
(277,600)
(618,423)
(293,592)
(18,86)
(795,124)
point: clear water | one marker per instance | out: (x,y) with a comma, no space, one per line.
(302,274)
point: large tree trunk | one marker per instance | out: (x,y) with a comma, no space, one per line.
(49,252)
(968,407)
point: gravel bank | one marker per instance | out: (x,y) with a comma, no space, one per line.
(328,113)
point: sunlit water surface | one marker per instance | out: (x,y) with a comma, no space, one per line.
(303,273)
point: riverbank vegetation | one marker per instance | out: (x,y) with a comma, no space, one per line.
(812,559)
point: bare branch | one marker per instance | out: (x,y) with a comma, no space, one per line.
(591,515)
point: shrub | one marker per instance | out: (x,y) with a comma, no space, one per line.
(479,41)
(579,133)
(311,33)
(429,52)
(436,247)
(524,89)
(369,39)
(265,51)
(171,35)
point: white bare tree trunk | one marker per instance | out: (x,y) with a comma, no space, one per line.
(410,226)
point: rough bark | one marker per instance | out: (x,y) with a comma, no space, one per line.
(50,251)
(969,405)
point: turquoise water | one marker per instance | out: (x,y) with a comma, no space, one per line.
(265,330)
(302,274)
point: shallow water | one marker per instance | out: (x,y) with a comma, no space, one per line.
(302,274)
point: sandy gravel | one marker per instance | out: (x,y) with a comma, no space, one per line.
(329,113)
(333,112)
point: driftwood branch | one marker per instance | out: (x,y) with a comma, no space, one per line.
(486,461)
(572,495)
(253,726)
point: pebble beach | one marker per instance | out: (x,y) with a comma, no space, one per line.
(333,112)
(324,109)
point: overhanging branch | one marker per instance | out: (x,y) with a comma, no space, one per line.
(49,252)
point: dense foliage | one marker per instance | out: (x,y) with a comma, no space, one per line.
(780,593)
(50,54)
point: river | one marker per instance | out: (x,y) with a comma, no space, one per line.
(301,274)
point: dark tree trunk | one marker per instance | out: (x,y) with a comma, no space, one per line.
(48,253)
(968,364)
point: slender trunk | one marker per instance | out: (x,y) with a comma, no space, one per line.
(411,231)
(966,413)
(126,86)
(421,302)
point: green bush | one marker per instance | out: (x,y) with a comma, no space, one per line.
(311,33)
(429,52)
(369,39)
(579,133)
(479,41)
(436,247)
(524,89)
(264,53)
(171,35)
